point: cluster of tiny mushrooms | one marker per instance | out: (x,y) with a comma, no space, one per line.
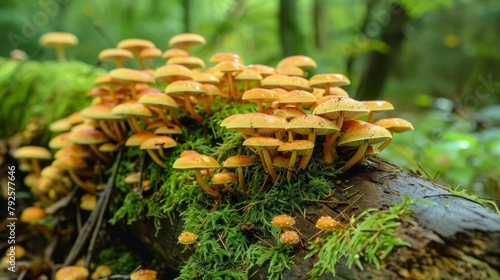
(126,109)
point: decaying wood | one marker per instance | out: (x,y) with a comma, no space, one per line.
(454,238)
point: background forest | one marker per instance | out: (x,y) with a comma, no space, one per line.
(436,61)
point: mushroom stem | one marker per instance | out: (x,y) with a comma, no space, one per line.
(269,164)
(118,63)
(36,167)
(157,159)
(329,152)
(61,56)
(133,91)
(207,104)
(384,145)
(105,128)
(117,130)
(98,153)
(370,117)
(132,121)
(304,161)
(242,180)
(190,109)
(204,185)
(259,106)
(175,119)
(356,157)
(327,90)
(291,165)
(79,182)
(230,87)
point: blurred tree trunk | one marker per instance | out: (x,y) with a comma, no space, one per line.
(186,6)
(379,64)
(370,4)
(320,19)
(292,39)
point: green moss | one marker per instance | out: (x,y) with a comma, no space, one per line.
(488,203)
(368,237)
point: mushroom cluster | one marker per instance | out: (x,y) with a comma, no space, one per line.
(146,108)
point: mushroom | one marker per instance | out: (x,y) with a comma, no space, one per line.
(186,41)
(144,274)
(131,109)
(295,83)
(239,161)
(190,62)
(59,41)
(88,135)
(264,145)
(377,106)
(291,71)
(290,237)
(149,54)
(33,153)
(186,89)
(328,223)
(158,143)
(310,125)
(297,148)
(72,163)
(228,68)
(338,108)
(225,178)
(326,81)
(301,61)
(116,55)
(262,69)
(297,98)
(187,238)
(362,135)
(393,125)
(136,46)
(283,221)
(131,77)
(88,202)
(198,162)
(32,215)
(225,56)
(248,76)
(102,271)
(259,96)
(159,101)
(108,121)
(72,273)
(173,53)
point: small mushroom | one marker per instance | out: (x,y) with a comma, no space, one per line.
(33,153)
(59,41)
(239,161)
(290,237)
(328,223)
(144,274)
(72,272)
(283,221)
(198,162)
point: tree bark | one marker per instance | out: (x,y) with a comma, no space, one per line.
(452,238)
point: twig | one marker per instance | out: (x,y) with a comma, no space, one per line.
(102,210)
(86,231)
(325,201)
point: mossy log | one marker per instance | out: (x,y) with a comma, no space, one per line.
(451,238)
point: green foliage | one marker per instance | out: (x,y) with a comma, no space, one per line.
(27,88)
(118,258)
(277,258)
(368,237)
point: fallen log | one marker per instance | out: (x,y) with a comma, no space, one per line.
(450,236)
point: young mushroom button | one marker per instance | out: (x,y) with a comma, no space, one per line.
(283,221)
(328,223)
(290,237)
